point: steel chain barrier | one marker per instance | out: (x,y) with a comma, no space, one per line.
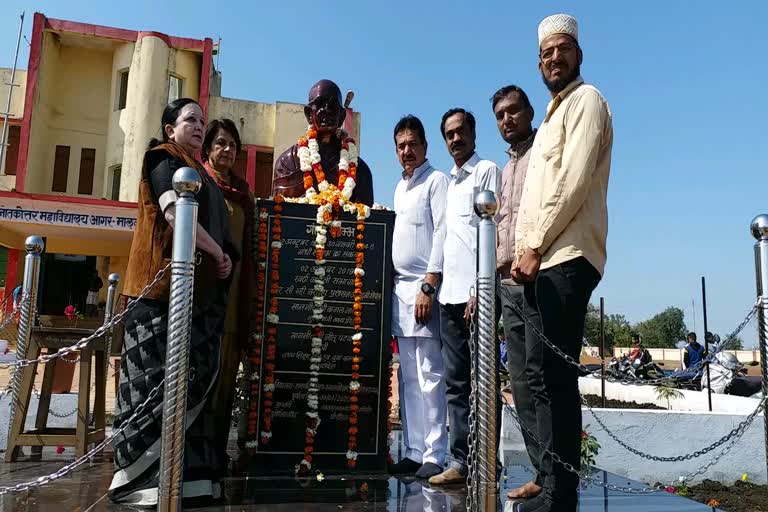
(731,438)
(98,333)
(596,373)
(53,413)
(64,471)
(5,323)
(740,428)
(12,314)
(472,420)
(627,490)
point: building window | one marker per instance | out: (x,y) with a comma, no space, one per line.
(12,149)
(122,92)
(116,172)
(175,88)
(87,165)
(60,169)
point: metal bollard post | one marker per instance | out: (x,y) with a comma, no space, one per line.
(113,280)
(602,351)
(706,340)
(759,228)
(186,183)
(486,377)
(34,246)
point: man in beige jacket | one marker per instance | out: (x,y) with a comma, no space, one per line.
(560,240)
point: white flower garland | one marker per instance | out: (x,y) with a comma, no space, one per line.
(310,155)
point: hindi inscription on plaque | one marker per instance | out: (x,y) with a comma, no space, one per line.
(295,302)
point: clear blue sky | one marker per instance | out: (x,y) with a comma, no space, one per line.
(685,80)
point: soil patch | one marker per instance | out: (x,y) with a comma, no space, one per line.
(596,401)
(740,497)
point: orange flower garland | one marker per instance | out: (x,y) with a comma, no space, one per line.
(357,313)
(272,321)
(254,353)
(331,200)
(389,405)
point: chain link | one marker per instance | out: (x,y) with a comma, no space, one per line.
(69,468)
(740,428)
(53,413)
(472,420)
(14,312)
(626,381)
(627,490)
(98,333)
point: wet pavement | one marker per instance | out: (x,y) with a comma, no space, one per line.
(85,491)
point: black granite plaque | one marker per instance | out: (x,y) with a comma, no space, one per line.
(292,358)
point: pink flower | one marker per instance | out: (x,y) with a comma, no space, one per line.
(69,312)
(670,489)
(59,450)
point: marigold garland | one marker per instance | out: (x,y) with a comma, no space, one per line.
(357,341)
(254,353)
(255,357)
(311,166)
(331,200)
(389,405)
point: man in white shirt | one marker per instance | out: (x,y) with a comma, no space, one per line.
(417,257)
(469,176)
(560,245)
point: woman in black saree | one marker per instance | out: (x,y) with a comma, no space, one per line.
(137,449)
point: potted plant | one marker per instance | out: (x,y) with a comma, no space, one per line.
(589,448)
(73,315)
(65,367)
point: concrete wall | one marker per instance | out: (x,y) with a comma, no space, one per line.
(290,124)
(147,96)
(72,108)
(17,101)
(676,354)
(16,111)
(665,433)
(115,143)
(691,401)
(186,65)
(37,160)
(254,120)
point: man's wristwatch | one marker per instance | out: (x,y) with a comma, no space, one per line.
(427,289)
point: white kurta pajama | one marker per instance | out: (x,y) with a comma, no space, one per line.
(417,245)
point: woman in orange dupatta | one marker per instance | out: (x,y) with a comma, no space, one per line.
(142,366)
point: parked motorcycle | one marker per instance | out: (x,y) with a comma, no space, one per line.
(639,368)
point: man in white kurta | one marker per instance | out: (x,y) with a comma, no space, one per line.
(417,256)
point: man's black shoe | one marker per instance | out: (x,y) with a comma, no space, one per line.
(405,466)
(428,470)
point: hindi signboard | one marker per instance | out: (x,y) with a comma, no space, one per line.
(295,293)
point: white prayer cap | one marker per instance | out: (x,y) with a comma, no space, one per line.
(558,24)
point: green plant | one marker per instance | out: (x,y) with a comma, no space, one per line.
(682,488)
(667,392)
(589,448)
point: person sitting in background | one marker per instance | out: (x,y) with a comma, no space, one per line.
(638,351)
(694,352)
(729,376)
